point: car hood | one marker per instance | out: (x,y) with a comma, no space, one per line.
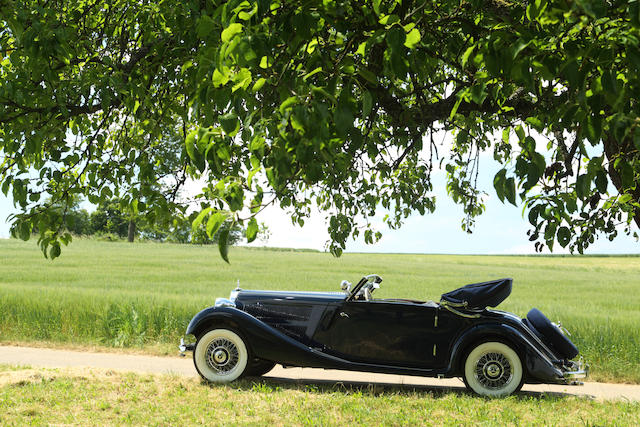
(250,296)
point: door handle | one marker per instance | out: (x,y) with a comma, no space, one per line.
(343,314)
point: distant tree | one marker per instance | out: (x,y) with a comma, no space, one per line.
(330,103)
(78,222)
(182,231)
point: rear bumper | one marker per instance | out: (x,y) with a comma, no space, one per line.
(575,371)
(184,347)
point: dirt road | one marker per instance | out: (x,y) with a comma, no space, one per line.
(41,357)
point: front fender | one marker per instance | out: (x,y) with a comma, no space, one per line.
(263,340)
(537,366)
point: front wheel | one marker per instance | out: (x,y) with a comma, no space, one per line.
(493,369)
(220,356)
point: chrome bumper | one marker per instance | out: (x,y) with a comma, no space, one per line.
(183,347)
(578,370)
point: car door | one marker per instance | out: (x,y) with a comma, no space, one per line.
(381,332)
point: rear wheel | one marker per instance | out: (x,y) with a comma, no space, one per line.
(220,356)
(493,369)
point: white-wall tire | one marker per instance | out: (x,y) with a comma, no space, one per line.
(493,369)
(220,356)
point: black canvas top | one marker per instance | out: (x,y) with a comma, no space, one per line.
(480,295)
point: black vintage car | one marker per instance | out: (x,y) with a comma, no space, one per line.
(494,352)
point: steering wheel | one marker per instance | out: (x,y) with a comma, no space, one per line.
(365,288)
(368,289)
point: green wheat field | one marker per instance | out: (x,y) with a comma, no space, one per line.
(142,295)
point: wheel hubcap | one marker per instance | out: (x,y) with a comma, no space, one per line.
(222,355)
(493,370)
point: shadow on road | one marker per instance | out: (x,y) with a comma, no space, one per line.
(269,384)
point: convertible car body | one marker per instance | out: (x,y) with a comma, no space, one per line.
(495,352)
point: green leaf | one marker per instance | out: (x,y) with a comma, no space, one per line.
(549,232)
(465,56)
(312,73)
(220,78)
(230,32)
(214,223)
(594,128)
(54,252)
(258,84)
(626,173)
(367,104)
(368,75)
(323,92)
(230,123)
(564,236)
(223,244)
(634,13)
(288,103)
(205,26)
(242,79)
(571,72)
(571,202)
(636,141)
(478,93)
(389,20)
(196,222)
(602,181)
(24,231)
(192,150)
(517,47)
(376,6)
(608,80)
(533,215)
(252,230)
(633,56)
(536,123)
(499,182)
(395,39)
(583,185)
(413,38)
(510,191)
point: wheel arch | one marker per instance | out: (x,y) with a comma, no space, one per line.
(487,333)
(214,318)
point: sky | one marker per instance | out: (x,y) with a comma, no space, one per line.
(501,229)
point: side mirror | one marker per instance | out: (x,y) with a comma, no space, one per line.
(345,286)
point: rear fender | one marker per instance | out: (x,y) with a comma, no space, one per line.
(537,366)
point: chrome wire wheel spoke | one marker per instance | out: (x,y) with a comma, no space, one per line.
(222,355)
(493,370)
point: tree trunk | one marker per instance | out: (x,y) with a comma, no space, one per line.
(132,230)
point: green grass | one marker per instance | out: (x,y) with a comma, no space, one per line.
(107,398)
(144,294)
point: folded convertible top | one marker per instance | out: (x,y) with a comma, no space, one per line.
(479,295)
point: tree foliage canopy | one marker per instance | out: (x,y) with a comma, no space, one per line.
(328,103)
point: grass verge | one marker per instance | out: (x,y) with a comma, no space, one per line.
(93,397)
